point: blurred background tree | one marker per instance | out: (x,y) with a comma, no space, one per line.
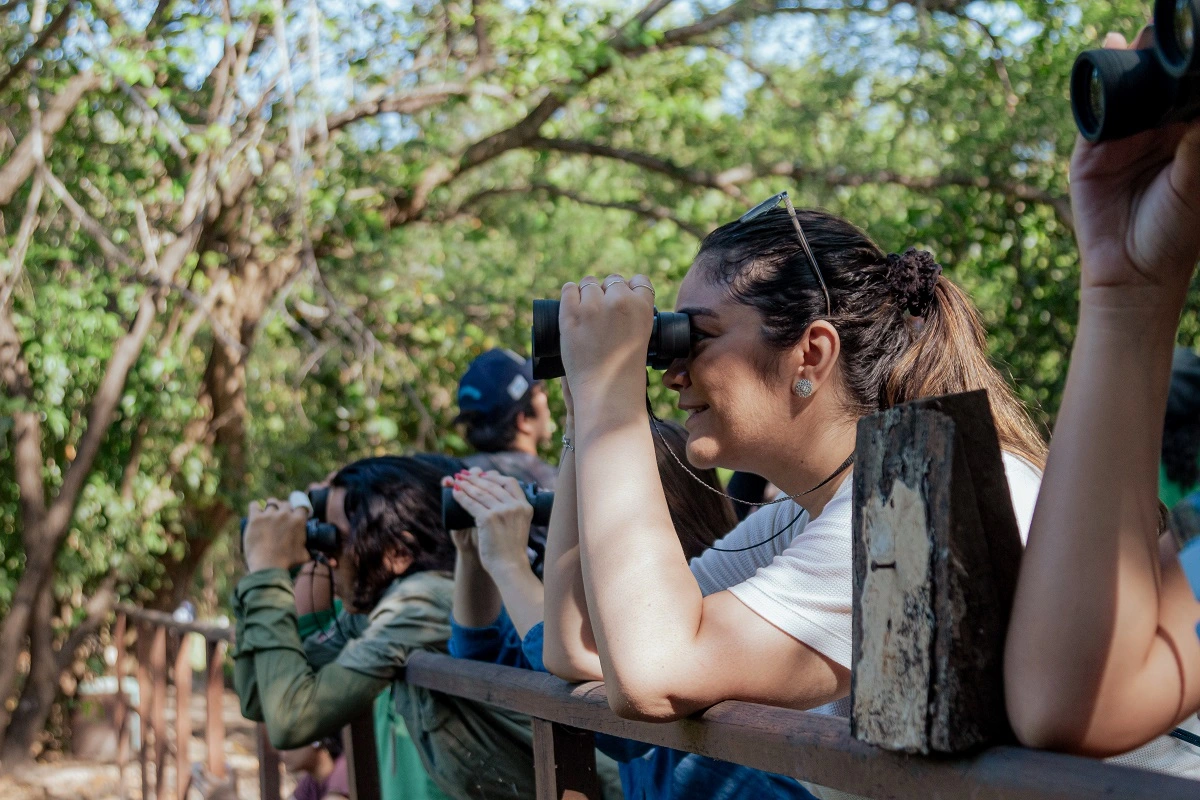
(247,241)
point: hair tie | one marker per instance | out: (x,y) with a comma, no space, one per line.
(911,279)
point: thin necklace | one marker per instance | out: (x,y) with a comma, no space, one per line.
(782,497)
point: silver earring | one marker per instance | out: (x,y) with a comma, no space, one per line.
(803,388)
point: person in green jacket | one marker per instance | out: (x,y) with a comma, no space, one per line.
(393,577)
(401,774)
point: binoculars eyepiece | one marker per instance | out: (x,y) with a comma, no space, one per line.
(671,338)
(1119,93)
(320,536)
(457,518)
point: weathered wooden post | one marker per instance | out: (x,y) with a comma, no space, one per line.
(158,705)
(936,552)
(362,759)
(564,761)
(214,724)
(268,765)
(121,713)
(144,698)
(183,718)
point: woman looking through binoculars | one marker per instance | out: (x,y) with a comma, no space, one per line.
(800,325)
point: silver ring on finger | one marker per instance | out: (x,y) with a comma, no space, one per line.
(583,286)
(612,283)
(643,286)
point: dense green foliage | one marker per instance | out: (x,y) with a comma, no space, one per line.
(943,125)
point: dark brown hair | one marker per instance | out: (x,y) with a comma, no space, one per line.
(394,504)
(887,355)
(700,516)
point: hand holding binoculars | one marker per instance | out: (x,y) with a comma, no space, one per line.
(457,518)
(1119,93)
(670,338)
(320,536)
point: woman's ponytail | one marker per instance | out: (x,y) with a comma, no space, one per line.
(948,355)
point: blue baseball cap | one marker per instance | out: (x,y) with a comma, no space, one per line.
(494,383)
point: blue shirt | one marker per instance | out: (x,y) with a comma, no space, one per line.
(647,772)
(1189,558)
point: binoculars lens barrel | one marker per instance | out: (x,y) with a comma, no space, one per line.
(457,518)
(321,537)
(1117,93)
(1175,23)
(319,498)
(670,338)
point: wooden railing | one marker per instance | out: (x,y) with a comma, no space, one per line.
(809,747)
(806,746)
(157,633)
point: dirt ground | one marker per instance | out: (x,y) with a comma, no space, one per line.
(64,777)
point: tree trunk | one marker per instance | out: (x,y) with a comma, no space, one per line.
(240,310)
(41,686)
(45,526)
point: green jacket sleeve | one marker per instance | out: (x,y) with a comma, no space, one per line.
(324,646)
(273,677)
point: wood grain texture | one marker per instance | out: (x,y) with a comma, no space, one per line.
(936,553)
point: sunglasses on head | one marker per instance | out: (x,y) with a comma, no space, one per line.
(768,205)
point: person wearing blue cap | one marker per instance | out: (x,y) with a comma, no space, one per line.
(507,418)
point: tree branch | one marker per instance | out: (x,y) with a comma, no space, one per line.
(1010,189)
(21,164)
(997,57)
(97,609)
(47,33)
(16,256)
(410,102)
(646,210)
(526,129)
(719,181)
(86,220)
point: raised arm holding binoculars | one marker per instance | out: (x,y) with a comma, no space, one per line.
(492,566)
(1104,650)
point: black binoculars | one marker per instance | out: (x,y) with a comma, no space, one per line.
(671,338)
(457,518)
(1117,93)
(320,536)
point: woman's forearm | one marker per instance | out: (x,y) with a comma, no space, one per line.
(1090,665)
(645,604)
(476,598)
(570,646)
(522,594)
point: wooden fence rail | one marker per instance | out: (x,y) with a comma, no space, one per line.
(156,746)
(806,746)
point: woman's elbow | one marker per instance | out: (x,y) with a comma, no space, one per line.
(643,700)
(287,732)
(1041,725)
